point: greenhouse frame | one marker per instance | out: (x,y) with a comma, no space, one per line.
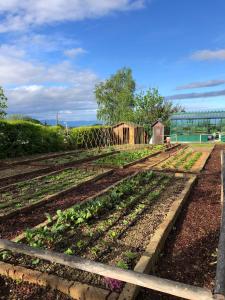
(197,126)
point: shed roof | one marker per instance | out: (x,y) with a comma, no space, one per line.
(199,115)
(131,124)
(158,121)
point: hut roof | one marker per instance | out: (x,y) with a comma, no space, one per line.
(131,124)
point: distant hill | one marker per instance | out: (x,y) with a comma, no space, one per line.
(72,123)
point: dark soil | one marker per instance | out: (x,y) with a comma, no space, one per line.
(16,290)
(188,253)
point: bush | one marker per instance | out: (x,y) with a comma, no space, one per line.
(19,138)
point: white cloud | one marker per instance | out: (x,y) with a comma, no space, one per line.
(20,14)
(73,53)
(44,102)
(209,55)
(41,89)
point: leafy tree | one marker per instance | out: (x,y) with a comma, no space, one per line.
(115,97)
(3,103)
(151,106)
(23,118)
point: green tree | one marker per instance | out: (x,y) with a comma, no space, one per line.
(151,106)
(115,97)
(3,103)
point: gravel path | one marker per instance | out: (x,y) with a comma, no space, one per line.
(188,253)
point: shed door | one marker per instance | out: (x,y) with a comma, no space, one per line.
(126,135)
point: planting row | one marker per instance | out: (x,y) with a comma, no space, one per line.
(70,158)
(126,157)
(34,190)
(184,160)
(113,228)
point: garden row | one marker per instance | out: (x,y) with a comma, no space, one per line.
(184,160)
(44,188)
(113,228)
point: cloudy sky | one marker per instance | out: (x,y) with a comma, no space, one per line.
(52,53)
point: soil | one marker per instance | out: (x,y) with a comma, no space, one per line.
(15,290)
(188,254)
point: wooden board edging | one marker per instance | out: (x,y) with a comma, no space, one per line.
(148,260)
(74,289)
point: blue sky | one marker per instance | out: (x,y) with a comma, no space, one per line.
(52,53)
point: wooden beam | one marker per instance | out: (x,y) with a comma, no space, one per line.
(148,281)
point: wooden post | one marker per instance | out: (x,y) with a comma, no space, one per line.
(148,281)
(219,291)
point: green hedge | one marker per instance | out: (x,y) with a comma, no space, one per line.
(18,138)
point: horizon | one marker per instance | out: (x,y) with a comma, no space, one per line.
(52,56)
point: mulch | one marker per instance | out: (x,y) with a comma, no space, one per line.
(188,255)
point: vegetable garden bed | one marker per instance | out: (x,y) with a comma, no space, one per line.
(127,158)
(36,191)
(113,228)
(78,157)
(185,160)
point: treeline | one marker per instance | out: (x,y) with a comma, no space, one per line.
(19,138)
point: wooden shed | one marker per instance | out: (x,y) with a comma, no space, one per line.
(129,133)
(157,132)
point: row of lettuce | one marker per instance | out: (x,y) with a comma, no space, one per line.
(18,138)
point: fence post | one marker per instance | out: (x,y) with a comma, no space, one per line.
(219,291)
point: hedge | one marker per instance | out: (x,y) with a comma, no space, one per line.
(19,138)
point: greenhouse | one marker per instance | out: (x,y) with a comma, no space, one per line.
(198,126)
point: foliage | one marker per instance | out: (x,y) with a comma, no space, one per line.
(115,97)
(126,157)
(22,138)
(151,106)
(85,137)
(3,103)
(20,117)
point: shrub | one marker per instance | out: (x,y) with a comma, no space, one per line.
(22,138)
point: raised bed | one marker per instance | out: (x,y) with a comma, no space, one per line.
(114,228)
(32,193)
(79,157)
(128,158)
(187,159)
(18,172)
(32,158)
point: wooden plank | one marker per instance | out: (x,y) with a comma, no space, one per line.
(148,281)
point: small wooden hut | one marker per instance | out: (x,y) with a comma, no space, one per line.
(157,132)
(129,133)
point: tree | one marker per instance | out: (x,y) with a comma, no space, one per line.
(115,97)
(3,103)
(151,106)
